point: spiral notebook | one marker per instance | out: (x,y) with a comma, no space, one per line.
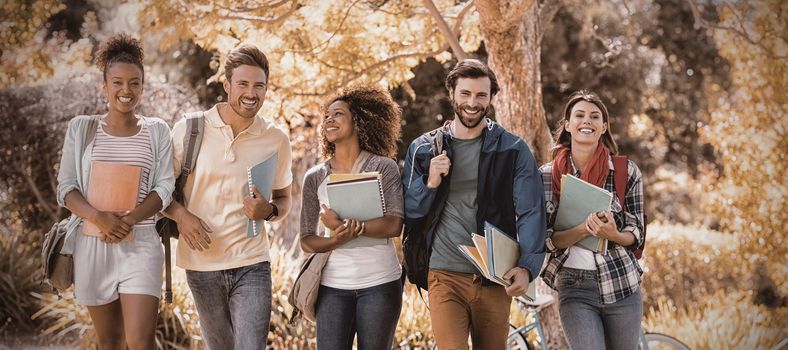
(359,197)
(261,176)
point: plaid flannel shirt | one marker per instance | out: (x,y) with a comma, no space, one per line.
(618,272)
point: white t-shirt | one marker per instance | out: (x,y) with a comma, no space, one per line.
(580,258)
(359,267)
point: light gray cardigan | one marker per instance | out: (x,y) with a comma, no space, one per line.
(74,170)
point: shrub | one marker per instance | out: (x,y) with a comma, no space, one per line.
(19,276)
(721,320)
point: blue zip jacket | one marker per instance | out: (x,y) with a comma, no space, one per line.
(510,193)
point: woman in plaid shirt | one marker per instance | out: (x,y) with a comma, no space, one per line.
(599,294)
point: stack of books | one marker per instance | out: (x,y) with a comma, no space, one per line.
(494,254)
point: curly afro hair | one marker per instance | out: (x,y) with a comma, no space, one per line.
(119,48)
(376,117)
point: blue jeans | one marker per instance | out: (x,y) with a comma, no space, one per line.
(589,324)
(234,306)
(372,313)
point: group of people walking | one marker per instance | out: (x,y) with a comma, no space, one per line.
(454,180)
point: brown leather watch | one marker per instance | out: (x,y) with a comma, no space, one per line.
(274,212)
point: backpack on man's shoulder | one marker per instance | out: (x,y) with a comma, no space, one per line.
(166,227)
(620,177)
(416,250)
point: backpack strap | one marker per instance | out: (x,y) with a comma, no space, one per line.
(436,141)
(195,124)
(165,240)
(620,175)
(620,170)
(192,139)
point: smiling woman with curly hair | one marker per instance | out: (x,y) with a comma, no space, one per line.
(376,119)
(360,290)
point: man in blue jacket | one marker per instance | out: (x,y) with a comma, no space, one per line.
(456,178)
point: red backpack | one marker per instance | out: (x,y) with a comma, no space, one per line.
(620,183)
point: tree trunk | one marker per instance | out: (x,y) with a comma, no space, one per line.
(551,320)
(512,34)
(514,49)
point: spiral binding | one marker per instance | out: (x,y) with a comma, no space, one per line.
(251,184)
(380,188)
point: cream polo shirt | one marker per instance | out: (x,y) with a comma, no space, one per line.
(216,188)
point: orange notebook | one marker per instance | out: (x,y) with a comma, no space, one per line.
(112,187)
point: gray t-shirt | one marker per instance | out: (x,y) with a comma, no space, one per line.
(458,220)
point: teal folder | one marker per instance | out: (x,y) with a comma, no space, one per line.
(578,200)
(261,176)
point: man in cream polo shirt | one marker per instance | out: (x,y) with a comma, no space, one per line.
(229,273)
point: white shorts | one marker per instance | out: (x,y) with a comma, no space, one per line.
(102,271)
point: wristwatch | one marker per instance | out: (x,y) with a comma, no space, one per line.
(550,245)
(274,212)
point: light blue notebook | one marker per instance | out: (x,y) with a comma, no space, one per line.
(578,200)
(502,251)
(261,176)
(359,197)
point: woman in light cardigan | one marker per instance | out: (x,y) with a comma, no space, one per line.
(361,287)
(118,271)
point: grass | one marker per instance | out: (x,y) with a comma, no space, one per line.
(19,275)
(699,289)
(720,321)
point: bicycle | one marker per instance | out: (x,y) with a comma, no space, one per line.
(517,335)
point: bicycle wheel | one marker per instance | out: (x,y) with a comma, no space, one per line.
(517,341)
(659,341)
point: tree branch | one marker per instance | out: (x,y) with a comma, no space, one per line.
(497,18)
(489,14)
(514,15)
(260,7)
(420,55)
(547,12)
(461,17)
(327,41)
(44,204)
(357,74)
(741,33)
(259,19)
(448,34)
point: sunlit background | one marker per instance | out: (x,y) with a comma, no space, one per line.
(696,90)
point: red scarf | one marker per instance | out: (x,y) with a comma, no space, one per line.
(595,173)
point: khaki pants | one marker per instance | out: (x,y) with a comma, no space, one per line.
(460,304)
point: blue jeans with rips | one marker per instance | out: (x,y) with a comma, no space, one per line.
(372,313)
(589,324)
(234,306)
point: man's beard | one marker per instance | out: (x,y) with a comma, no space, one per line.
(470,124)
(237,106)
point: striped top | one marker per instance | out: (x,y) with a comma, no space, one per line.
(130,150)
